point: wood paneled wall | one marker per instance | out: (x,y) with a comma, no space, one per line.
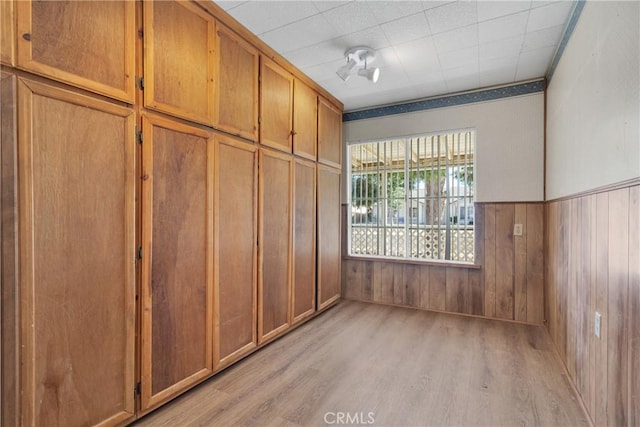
(593,260)
(506,282)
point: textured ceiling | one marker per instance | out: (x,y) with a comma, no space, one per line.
(424,48)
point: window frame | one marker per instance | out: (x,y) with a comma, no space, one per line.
(407,208)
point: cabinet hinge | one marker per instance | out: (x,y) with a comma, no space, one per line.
(139,253)
(139,136)
(137,389)
(140,81)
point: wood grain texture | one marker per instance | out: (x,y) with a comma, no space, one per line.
(593,260)
(235,252)
(489,263)
(329,254)
(329,133)
(504,261)
(7,28)
(179,42)
(276,106)
(237,85)
(304,240)
(463,371)
(618,298)
(177,237)
(634,306)
(65,42)
(305,120)
(9,310)
(471,290)
(275,231)
(76,162)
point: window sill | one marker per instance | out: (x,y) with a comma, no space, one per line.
(454,264)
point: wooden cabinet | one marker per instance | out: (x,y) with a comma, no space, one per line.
(76,167)
(6,32)
(304,241)
(85,43)
(305,121)
(237,85)
(8,252)
(235,249)
(177,258)
(179,39)
(276,105)
(329,255)
(329,133)
(274,285)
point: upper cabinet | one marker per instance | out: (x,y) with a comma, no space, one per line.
(237,85)
(305,121)
(329,133)
(276,105)
(179,42)
(6,32)
(86,44)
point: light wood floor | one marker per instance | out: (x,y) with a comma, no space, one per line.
(407,367)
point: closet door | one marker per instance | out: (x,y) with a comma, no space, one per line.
(305,121)
(328,236)
(90,44)
(235,256)
(9,319)
(179,40)
(276,105)
(76,166)
(304,241)
(177,238)
(237,85)
(329,133)
(274,286)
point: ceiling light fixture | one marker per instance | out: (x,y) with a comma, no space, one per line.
(359,56)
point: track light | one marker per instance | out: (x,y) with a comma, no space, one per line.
(345,71)
(370,74)
(359,56)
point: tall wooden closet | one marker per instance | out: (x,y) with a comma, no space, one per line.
(170,203)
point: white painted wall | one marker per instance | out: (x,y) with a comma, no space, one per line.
(593,99)
(509,142)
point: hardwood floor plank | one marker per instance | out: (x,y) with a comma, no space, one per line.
(398,365)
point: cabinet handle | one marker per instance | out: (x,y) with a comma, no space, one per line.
(27,37)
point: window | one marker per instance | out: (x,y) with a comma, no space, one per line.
(413,197)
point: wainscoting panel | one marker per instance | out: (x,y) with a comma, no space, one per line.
(506,281)
(593,260)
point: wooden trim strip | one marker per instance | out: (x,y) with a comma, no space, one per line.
(434,263)
(603,189)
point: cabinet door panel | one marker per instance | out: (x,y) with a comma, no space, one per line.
(9,387)
(328,235)
(177,278)
(275,240)
(329,134)
(7,37)
(304,249)
(276,105)
(235,271)
(77,256)
(179,43)
(305,121)
(237,88)
(64,40)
